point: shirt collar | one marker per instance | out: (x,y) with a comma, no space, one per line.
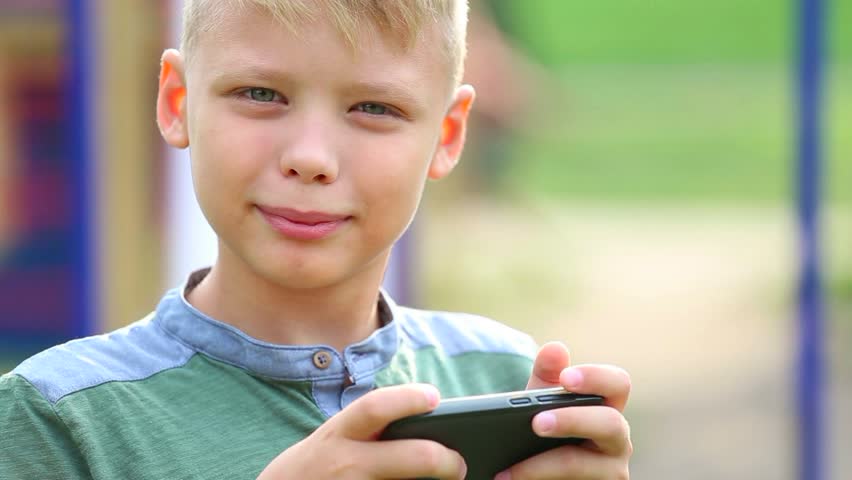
(228,344)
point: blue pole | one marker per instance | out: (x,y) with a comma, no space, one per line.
(810,308)
(80,75)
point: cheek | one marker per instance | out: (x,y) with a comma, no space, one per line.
(226,165)
(230,156)
(394,180)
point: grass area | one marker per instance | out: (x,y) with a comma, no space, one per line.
(838,136)
(719,134)
(672,101)
(678,135)
(675,103)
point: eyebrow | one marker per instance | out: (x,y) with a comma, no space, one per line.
(250,73)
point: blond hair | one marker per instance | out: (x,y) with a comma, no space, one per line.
(398,20)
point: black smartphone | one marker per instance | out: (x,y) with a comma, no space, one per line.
(492,432)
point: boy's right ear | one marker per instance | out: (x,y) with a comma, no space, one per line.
(171,100)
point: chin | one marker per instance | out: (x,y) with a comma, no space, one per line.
(290,277)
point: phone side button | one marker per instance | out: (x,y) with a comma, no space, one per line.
(520,401)
(550,398)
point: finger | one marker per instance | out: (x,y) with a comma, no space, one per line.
(610,382)
(605,426)
(550,360)
(411,459)
(366,417)
(568,462)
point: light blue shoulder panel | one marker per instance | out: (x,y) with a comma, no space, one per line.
(132,353)
(459,333)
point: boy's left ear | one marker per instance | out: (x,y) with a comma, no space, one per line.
(452,133)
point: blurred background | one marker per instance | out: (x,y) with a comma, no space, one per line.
(628,188)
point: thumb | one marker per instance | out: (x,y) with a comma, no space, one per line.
(366,417)
(552,358)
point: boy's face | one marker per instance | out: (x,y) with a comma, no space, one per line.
(308,160)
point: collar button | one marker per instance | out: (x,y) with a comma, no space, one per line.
(322,359)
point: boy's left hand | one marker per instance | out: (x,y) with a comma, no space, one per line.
(606,453)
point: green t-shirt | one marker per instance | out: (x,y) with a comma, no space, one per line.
(180,395)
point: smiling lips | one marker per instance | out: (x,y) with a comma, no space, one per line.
(302,225)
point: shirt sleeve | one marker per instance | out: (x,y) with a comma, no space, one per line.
(34,441)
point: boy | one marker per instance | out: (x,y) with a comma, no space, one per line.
(313,125)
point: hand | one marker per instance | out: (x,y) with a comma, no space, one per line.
(606,453)
(345,446)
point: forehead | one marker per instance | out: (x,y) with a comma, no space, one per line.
(244,38)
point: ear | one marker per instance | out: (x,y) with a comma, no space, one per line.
(171,100)
(452,133)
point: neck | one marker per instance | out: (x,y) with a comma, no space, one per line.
(337,315)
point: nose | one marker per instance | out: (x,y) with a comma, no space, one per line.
(310,157)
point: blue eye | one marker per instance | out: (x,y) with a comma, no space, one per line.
(373,108)
(263,95)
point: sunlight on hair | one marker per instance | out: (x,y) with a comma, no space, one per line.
(399,20)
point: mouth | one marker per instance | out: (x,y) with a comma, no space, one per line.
(301,225)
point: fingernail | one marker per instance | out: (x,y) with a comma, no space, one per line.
(544,422)
(431,396)
(571,378)
(504,475)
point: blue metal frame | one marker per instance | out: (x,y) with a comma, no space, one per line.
(810,309)
(81,75)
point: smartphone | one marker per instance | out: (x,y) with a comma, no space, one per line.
(492,432)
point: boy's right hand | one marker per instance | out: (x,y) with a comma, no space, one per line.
(346,446)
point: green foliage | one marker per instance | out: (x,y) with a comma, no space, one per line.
(560,32)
